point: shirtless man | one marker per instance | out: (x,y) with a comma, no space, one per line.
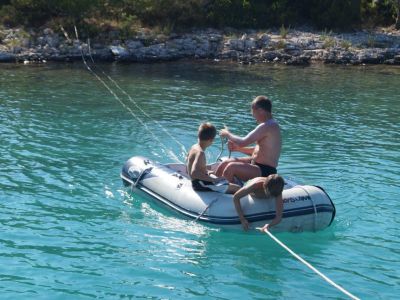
(263,158)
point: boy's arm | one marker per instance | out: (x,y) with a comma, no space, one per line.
(278,213)
(244,191)
(199,168)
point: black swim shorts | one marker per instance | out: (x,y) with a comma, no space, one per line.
(199,185)
(266,170)
(208,186)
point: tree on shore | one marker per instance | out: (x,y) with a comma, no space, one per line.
(397,25)
(178,14)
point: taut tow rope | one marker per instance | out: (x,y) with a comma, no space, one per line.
(164,147)
(350,295)
(135,103)
(170,152)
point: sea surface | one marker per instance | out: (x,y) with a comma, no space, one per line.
(70,230)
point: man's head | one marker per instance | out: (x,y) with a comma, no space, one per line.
(273,185)
(207,132)
(262,102)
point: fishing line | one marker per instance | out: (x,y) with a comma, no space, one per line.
(135,103)
(350,295)
(165,148)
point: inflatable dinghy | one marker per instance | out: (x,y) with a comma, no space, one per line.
(305,208)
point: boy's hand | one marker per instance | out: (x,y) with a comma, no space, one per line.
(245,224)
(265,227)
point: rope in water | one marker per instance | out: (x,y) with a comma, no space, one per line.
(135,103)
(350,295)
(169,152)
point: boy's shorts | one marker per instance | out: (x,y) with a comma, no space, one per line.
(208,186)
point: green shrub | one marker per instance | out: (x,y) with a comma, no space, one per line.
(345,44)
(284,31)
(170,15)
(8,15)
(281,44)
(329,42)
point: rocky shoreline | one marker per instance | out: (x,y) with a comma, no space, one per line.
(291,47)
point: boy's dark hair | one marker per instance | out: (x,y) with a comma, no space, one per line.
(274,185)
(262,102)
(207,131)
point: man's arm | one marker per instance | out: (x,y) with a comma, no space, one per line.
(245,150)
(255,135)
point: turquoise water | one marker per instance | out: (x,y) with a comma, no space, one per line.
(69,230)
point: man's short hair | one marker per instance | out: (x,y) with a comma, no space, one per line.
(262,102)
(274,185)
(207,131)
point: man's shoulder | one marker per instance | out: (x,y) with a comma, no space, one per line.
(271,125)
(268,126)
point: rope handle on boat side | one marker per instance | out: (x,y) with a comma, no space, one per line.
(350,295)
(207,207)
(141,175)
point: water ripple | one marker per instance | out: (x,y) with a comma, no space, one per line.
(70,230)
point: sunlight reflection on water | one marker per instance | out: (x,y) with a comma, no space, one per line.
(67,221)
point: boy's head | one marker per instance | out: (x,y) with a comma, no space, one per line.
(207,131)
(273,185)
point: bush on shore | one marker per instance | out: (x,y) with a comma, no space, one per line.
(168,15)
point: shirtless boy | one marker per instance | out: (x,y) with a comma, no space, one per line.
(197,164)
(263,158)
(262,187)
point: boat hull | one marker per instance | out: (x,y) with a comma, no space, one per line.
(306,207)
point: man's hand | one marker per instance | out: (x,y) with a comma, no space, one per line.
(232,146)
(224,132)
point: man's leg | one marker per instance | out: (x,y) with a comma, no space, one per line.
(221,168)
(241,170)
